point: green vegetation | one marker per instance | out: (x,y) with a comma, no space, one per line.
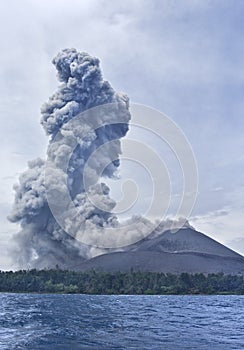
(59,281)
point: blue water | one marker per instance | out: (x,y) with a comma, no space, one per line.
(120,322)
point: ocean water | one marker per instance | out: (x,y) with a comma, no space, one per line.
(42,321)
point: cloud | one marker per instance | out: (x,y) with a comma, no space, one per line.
(224,225)
(185,59)
(44,240)
(237,244)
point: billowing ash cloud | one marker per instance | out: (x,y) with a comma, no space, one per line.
(61,229)
(42,242)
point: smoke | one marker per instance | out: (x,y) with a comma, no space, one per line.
(42,241)
(64,209)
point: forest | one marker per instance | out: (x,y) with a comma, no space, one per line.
(92,282)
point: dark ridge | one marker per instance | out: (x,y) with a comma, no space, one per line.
(184,251)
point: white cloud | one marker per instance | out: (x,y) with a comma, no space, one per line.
(224,225)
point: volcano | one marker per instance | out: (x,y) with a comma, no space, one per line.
(186,250)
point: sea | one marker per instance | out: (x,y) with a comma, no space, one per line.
(61,321)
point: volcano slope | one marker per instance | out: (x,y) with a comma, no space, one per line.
(186,251)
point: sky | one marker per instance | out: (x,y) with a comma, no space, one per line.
(184,58)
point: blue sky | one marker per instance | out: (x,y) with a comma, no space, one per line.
(184,58)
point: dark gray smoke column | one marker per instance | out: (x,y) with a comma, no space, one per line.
(42,242)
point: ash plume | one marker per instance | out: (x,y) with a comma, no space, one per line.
(41,241)
(62,204)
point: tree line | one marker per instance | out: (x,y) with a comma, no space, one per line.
(92,282)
